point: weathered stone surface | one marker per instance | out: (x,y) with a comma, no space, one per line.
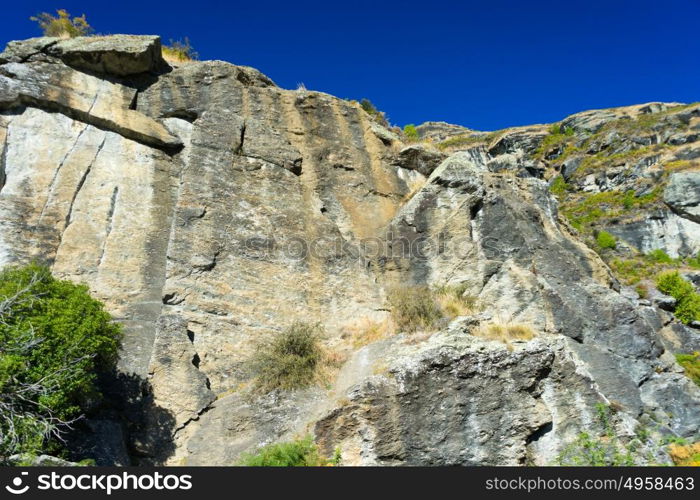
(441,131)
(119,55)
(419,158)
(214,208)
(590,121)
(660,229)
(682,194)
(83,97)
(179,386)
(21,50)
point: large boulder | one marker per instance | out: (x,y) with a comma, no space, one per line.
(118,55)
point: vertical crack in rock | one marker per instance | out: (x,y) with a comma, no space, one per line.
(58,169)
(110,223)
(239,149)
(81,183)
(134,102)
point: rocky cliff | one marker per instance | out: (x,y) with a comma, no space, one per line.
(208,207)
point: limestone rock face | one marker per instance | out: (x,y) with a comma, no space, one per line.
(682,194)
(209,208)
(119,55)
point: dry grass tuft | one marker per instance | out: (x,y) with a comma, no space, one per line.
(419,307)
(413,308)
(294,359)
(367,331)
(505,332)
(179,52)
(454,302)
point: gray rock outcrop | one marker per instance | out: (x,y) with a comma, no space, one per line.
(208,207)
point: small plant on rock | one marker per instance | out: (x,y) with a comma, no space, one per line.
(179,51)
(505,332)
(289,360)
(660,257)
(371,110)
(687,300)
(414,307)
(454,301)
(62,25)
(299,453)
(411,133)
(606,240)
(593,449)
(691,365)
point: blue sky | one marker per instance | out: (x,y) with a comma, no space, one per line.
(483,64)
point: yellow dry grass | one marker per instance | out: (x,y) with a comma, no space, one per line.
(505,332)
(685,455)
(367,331)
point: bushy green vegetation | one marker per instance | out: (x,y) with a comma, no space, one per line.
(411,133)
(62,25)
(585,210)
(660,257)
(289,360)
(54,337)
(372,111)
(179,51)
(687,300)
(558,137)
(606,240)
(605,449)
(559,186)
(606,159)
(691,365)
(299,453)
(634,269)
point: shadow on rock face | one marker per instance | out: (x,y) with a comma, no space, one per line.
(127,428)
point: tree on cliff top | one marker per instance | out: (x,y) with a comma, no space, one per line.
(53,339)
(62,25)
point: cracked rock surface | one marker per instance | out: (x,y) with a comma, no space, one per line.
(208,207)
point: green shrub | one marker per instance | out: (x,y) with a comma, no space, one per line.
(299,453)
(594,450)
(558,186)
(62,25)
(672,283)
(411,132)
(687,300)
(414,307)
(54,338)
(659,256)
(555,129)
(372,111)
(606,240)
(693,262)
(688,308)
(691,365)
(290,360)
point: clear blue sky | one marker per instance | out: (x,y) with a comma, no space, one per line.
(483,64)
